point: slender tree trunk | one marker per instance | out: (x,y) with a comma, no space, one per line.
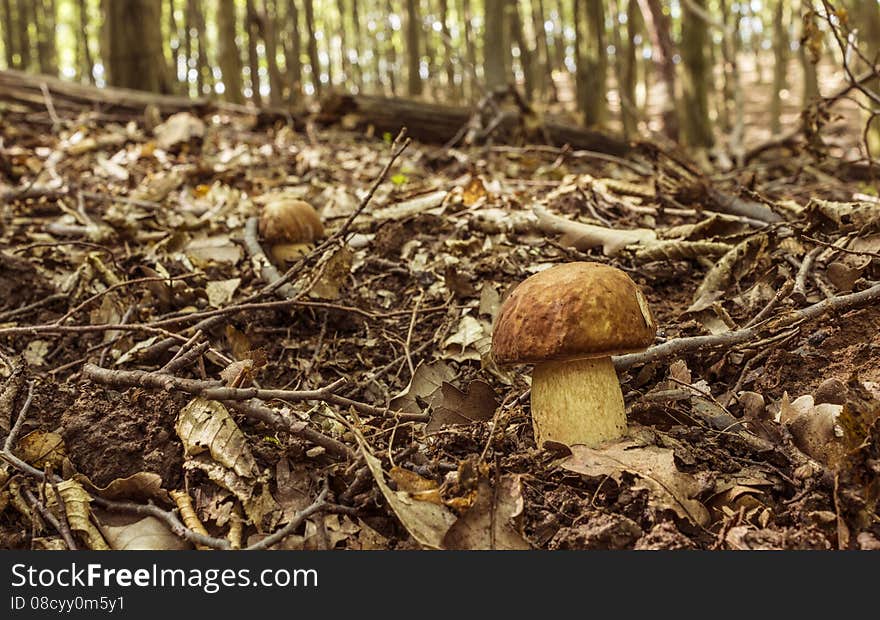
(22,27)
(559,36)
(413,50)
(175,47)
(526,54)
(694,38)
(293,49)
(808,59)
(495,46)
(253,55)
(358,45)
(543,62)
(470,47)
(448,52)
(345,63)
(206,76)
(780,63)
(84,63)
(228,54)
(629,71)
(45,18)
(134,53)
(190,61)
(6,23)
(658,26)
(312,45)
(869,23)
(266,24)
(591,60)
(390,51)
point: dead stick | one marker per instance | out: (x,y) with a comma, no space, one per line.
(693,343)
(295,522)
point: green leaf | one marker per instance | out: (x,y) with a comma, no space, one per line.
(399,178)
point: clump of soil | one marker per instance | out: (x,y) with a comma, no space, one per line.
(112,435)
(20,282)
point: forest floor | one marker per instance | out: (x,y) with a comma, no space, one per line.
(388,425)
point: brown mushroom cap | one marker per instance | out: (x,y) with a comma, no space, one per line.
(285,220)
(572,311)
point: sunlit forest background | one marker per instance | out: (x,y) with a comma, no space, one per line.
(707,69)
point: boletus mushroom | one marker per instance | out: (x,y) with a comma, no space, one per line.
(289,226)
(568,321)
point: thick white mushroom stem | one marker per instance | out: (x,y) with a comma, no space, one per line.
(577,402)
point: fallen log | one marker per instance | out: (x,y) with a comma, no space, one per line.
(440,124)
(27,89)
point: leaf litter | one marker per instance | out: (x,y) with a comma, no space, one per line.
(738,442)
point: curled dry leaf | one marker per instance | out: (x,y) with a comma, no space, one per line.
(668,488)
(419,488)
(426,380)
(40,449)
(213,443)
(131,533)
(206,426)
(177,129)
(815,428)
(736,263)
(335,272)
(77,507)
(452,406)
(471,340)
(493,521)
(139,487)
(426,522)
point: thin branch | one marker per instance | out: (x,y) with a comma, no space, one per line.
(694,343)
(294,524)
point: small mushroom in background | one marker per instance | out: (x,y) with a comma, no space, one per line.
(290,227)
(568,321)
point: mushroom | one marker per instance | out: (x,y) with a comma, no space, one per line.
(568,321)
(289,226)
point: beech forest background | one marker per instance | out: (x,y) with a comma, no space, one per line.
(701,71)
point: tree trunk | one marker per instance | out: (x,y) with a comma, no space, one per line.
(658,26)
(808,59)
(22,29)
(413,51)
(495,46)
(526,54)
(312,45)
(543,61)
(780,57)
(869,23)
(86,62)
(448,53)
(358,49)
(390,52)
(694,37)
(293,49)
(134,45)
(45,22)
(591,60)
(470,47)
(266,24)
(629,111)
(228,54)
(205,75)
(253,55)
(7,23)
(344,61)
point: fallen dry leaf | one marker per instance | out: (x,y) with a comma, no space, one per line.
(668,488)
(493,521)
